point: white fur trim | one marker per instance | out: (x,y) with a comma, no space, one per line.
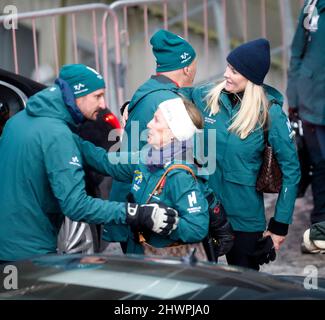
(178,119)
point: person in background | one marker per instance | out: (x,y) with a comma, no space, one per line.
(306,94)
(238,109)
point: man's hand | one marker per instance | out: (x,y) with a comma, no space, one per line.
(157,218)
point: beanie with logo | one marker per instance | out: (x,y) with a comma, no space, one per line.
(81,79)
(171,51)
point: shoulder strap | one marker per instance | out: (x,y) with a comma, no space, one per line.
(161,183)
(266,125)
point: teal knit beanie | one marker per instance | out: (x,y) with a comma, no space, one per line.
(81,79)
(172,52)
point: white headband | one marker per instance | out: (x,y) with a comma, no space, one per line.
(178,119)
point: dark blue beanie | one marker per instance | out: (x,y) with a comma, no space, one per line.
(252,60)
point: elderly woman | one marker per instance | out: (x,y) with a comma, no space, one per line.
(173,125)
(239,109)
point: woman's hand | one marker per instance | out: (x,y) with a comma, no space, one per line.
(277,240)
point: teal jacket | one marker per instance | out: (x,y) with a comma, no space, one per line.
(306,76)
(42,179)
(238,162)
(181,192)
(141,109)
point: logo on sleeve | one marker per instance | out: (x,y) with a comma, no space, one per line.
(191,202)
(137,180)
(291,132)
(75,161)
(192,199)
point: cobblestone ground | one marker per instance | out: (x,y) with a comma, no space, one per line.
(290,260)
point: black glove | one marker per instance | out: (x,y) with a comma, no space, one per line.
(264,252)
(154,217)
(220,231)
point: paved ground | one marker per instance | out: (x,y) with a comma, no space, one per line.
(289,260)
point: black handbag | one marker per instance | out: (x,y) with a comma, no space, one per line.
(269,179)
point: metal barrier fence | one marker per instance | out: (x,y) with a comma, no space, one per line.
(216,19)
(73,12)
(211,17)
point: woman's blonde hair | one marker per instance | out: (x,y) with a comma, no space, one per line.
(253,108)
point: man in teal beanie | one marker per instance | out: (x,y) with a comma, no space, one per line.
(171,51)
(42,176)
(175,68)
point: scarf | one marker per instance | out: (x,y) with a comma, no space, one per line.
(176,150)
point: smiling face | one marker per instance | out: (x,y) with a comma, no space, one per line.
(235,82)
(159,133)
(91,104)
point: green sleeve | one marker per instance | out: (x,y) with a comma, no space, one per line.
(65,172)
(192,207)
(282,141)
(114,164)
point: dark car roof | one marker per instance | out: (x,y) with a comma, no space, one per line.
(138,277)
(28,86)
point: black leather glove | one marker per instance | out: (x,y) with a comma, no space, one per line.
(265,251)
(154,217)
(220,231)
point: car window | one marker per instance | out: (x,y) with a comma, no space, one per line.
(12,100)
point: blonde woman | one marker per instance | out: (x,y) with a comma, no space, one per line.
(238,109)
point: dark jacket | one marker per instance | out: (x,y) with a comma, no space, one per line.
(306,76)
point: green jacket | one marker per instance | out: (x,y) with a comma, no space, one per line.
(141,109)
(181,192)
(238,162)
(42,179)
(306,76)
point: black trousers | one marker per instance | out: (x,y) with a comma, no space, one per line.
(244,245)
(315,141)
